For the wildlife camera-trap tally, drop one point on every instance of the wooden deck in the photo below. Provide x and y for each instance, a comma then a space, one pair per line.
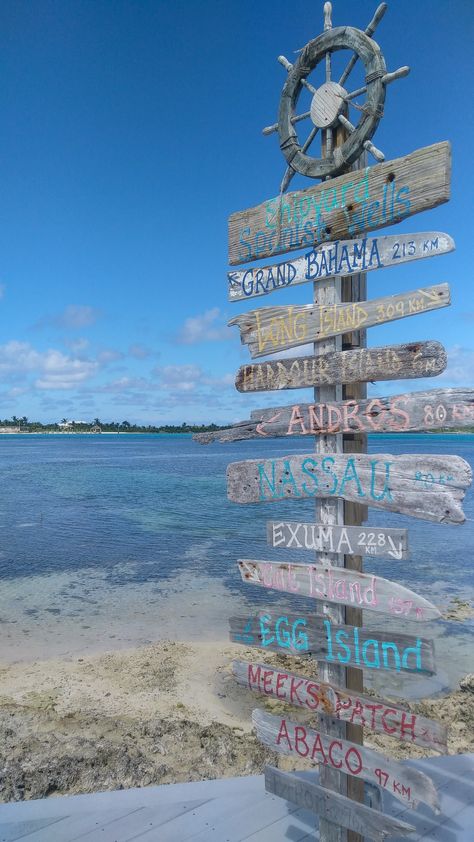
230, 810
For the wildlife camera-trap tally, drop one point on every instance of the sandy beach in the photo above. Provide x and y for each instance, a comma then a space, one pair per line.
162, 713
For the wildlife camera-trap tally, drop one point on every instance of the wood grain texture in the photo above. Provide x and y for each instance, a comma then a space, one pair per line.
350, 540
408, 785
371, 824
340, 586
340, 258
428, 487
390, 362
434, 409
271, 329
329, 642
377, 715
349, 205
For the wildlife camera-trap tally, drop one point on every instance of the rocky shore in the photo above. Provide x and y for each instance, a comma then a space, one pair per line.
160, 714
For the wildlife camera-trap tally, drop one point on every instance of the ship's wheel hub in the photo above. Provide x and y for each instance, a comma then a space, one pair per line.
327, 104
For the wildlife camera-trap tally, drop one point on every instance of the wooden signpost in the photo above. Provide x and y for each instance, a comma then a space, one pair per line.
351, 540
330, 642
341, 258
333, 807
331, 221
426, 487
391, 362
272, 329
309, 694
349, 205
403, 782
438, 409
341, 586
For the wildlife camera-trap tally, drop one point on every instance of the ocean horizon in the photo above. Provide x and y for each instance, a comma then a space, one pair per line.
114, 541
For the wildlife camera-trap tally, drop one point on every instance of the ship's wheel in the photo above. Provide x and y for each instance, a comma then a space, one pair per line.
330, 101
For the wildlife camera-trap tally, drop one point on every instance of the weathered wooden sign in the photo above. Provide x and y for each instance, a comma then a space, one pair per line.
334, 807
423, 486
436, 409
340, 585
349, 205
328, 642
343, 257
390, 362
405, 783
272, 329
350, 540
347, 705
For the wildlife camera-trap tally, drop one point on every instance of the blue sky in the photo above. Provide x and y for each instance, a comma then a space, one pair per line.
130, 132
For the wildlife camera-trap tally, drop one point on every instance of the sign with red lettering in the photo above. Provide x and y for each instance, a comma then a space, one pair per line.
403, 782
434, 409
347, 705
340, 585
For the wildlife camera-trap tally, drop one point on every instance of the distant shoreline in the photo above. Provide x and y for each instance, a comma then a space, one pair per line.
187, 433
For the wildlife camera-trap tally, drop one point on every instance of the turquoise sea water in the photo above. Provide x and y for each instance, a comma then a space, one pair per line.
115, 540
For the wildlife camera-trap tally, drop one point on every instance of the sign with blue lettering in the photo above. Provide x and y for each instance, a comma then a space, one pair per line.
340, 258
347, 206
328, 642
422, 486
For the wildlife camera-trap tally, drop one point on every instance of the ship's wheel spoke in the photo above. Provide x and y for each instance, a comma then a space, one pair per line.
289, 172
370, 29
377, 154
296, 119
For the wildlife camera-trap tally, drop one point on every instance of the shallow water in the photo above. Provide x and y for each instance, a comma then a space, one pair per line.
111, 541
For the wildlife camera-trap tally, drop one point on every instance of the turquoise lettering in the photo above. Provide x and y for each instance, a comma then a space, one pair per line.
350, 474
309, 474
267, 640
262, 476
386, 489
326, 464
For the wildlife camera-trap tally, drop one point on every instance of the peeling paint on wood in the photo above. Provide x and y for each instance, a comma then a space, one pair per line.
341, 258
334, 807
339, 585
334, 643
429, 487
349, 205
377, 715
390, 362
350, 540
435, 409
408, 785
271, 329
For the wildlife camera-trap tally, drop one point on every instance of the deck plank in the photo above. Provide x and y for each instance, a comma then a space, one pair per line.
226, 810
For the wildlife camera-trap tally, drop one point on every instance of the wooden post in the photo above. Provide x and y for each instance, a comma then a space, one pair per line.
335, 291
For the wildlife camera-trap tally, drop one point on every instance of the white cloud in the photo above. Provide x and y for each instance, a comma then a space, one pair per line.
204, 328
54, 369
460, 368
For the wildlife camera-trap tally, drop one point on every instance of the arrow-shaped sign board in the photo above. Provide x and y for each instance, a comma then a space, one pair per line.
341, 258
405, 783
347, 206
335, 808
320, 638
390, 362
339, 585
350, 540
427, 487
435, 409
272, 329
346, 705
